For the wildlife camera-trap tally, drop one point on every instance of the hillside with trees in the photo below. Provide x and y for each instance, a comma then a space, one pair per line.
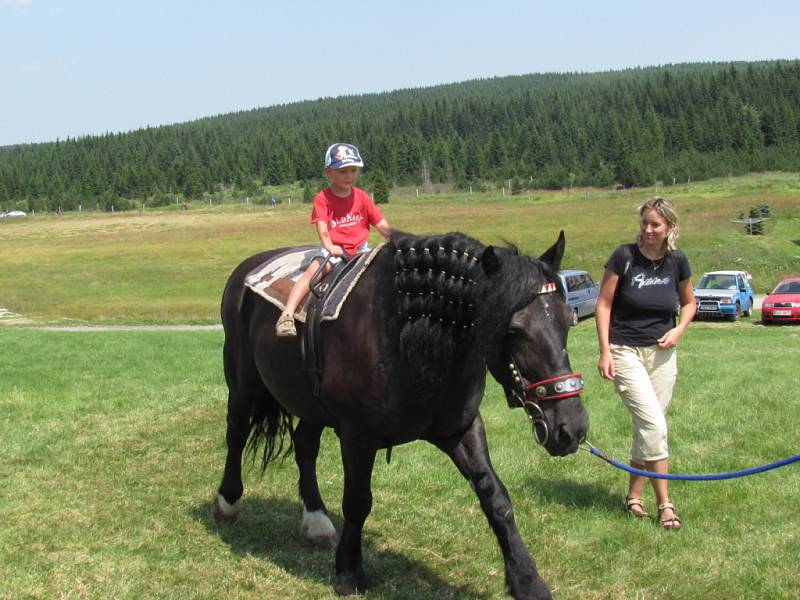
632, 127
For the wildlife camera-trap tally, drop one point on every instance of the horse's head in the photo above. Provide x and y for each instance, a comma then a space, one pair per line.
529, 358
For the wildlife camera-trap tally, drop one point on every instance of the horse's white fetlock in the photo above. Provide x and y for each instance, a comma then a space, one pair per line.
317, 528
223, 511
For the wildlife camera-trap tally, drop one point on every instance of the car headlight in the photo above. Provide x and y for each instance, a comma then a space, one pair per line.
767, 305
726, 301
795, 304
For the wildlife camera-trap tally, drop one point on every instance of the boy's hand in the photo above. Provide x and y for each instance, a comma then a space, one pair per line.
336, 251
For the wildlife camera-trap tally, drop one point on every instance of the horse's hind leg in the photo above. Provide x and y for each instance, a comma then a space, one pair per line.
245, 388
316, 526
471, 456
228, 503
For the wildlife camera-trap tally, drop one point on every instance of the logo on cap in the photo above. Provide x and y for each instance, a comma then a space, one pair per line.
343, 155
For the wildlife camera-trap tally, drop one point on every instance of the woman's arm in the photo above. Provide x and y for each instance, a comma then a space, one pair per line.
602, 319
688, 310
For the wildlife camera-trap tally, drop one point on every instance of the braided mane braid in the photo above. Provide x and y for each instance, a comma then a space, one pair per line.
437, 279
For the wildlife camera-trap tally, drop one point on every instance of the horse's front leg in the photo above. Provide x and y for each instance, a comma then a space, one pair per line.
471, 455
316, 526
358, 460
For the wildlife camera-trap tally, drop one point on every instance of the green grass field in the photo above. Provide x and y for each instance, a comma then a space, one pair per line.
113, 442
113, 445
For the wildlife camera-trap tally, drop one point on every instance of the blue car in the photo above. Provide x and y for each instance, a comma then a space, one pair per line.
582, 292
724, 294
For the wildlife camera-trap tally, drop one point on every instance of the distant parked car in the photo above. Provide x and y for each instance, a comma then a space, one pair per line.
726, 294
582, 292
783, 303
13, 213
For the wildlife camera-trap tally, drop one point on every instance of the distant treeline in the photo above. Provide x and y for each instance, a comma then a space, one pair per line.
632, 127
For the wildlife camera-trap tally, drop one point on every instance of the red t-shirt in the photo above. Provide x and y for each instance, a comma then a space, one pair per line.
348, 219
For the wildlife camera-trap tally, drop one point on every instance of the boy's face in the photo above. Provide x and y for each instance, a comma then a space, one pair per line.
342, 180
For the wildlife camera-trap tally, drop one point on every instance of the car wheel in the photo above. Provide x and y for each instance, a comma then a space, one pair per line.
738, 314
749, 311
574, 317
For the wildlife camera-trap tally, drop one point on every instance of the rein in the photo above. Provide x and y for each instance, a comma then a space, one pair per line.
709, 477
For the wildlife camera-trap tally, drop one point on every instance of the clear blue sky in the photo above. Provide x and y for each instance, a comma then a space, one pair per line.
78, 67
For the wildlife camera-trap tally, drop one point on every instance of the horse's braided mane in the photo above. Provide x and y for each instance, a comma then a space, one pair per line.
445, 301
436, 279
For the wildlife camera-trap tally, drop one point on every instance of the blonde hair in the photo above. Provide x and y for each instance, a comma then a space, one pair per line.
668, 212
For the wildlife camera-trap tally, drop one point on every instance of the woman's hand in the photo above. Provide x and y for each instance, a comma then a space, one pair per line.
606, 366
671, 338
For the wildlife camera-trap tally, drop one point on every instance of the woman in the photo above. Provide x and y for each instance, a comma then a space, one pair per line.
637, 335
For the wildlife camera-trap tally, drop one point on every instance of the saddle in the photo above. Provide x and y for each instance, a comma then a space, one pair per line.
273, 280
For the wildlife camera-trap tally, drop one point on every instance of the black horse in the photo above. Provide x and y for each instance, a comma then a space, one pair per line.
406, 360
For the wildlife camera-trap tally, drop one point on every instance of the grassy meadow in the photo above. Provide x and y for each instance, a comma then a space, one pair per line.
169, 266
113, 441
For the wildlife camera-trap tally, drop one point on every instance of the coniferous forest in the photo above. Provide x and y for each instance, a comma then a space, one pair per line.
632, 127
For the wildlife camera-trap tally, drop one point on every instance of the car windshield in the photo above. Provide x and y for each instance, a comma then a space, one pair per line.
788, 287
717, 282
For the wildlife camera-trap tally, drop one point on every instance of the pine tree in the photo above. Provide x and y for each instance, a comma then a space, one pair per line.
380, 187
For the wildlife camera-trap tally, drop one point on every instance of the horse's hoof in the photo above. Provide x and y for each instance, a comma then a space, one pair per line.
533, 590
318, 530
351, 583
224, 512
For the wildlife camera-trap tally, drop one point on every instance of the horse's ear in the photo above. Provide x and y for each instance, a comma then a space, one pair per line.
555, 253
490, 261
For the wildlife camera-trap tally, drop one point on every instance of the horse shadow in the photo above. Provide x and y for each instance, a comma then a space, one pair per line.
268, 528
572, 494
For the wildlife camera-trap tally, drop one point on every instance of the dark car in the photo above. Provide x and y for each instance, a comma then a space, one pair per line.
783, 303
582, 292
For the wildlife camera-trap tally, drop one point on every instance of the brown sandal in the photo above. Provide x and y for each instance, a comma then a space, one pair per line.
673, 522
630, 503
285, 326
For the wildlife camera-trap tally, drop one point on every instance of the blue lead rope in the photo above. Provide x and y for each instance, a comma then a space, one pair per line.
710, 477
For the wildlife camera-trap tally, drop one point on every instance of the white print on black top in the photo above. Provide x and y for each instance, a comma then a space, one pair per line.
641, 281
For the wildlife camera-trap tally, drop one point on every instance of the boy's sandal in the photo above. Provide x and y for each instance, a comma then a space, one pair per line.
285, 326
673, 522
629, 505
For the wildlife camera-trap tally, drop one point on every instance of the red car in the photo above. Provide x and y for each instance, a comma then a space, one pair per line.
783, 303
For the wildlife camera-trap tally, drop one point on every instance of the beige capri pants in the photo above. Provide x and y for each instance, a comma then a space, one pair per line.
645, 378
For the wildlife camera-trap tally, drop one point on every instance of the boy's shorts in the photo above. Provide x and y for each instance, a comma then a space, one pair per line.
323, 253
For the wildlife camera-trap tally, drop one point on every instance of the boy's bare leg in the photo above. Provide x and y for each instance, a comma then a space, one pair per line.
300, 289
285, 325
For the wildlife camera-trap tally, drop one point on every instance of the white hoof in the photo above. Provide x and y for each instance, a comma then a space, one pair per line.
224, 511
317, 529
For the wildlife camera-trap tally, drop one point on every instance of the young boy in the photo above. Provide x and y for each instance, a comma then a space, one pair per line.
342, 214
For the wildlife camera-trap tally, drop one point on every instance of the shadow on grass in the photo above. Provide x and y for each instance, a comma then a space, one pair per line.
268, 528
573, 494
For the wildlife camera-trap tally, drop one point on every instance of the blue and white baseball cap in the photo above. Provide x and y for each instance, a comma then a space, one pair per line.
341, 155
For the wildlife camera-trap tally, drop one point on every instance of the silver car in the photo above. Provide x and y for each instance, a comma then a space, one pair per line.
582, 292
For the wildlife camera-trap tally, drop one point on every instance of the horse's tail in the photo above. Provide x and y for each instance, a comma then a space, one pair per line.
270, 423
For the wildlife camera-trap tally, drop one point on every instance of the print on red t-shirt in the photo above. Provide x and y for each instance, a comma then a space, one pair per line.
348, 219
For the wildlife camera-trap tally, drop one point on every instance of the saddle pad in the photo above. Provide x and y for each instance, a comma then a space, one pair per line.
273, 279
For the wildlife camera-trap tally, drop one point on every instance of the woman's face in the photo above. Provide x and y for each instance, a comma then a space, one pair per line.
654, 229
